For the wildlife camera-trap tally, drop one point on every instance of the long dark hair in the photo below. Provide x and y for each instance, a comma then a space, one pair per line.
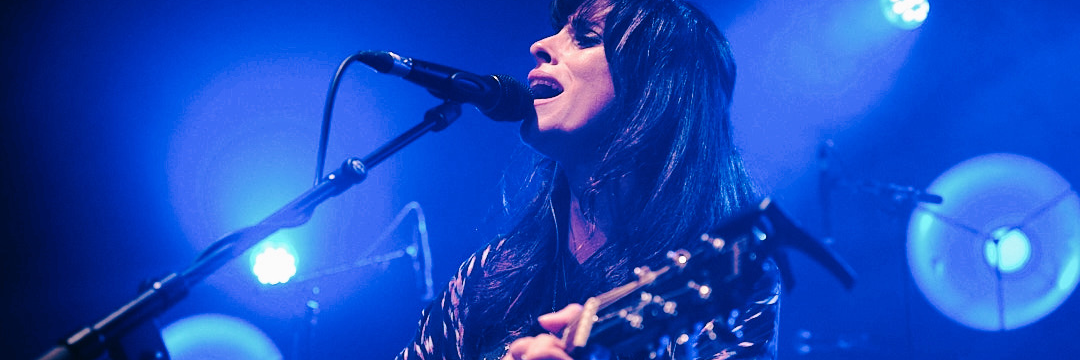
673, 74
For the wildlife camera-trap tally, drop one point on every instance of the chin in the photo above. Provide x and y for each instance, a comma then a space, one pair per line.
552, 145
531, 136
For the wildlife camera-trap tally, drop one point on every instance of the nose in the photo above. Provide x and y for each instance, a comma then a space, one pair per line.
541, 51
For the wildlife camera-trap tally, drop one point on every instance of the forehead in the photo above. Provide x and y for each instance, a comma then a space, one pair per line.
578, 13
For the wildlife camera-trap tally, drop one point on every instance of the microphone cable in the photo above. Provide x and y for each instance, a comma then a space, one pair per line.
324, 135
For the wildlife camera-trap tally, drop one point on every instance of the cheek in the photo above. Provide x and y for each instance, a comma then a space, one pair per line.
589, 114
600, 96
602, 91
597, 90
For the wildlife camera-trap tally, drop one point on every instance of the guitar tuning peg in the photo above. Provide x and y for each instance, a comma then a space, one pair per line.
703, 290
708, 330
682, 339
716, 242
634, 320
680, 257
669, 307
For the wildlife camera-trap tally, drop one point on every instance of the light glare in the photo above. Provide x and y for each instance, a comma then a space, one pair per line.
1012, 247
274, 265
906, 14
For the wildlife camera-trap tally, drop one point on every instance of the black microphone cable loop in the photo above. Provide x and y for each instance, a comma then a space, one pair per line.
324, 134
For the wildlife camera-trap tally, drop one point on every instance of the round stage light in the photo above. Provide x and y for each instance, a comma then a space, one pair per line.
216, 336
1008, 250
1003, 250
906, 14
273, 264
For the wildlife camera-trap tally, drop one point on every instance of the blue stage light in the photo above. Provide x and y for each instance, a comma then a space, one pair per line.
273, 264
906, 14
1003, 249
1008, 250
216, 336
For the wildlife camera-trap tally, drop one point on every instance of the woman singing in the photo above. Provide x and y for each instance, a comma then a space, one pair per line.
634, 158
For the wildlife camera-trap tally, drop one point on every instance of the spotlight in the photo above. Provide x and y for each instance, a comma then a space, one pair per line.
273, 264
1008, 250
906, 14
1003, 250
217, 336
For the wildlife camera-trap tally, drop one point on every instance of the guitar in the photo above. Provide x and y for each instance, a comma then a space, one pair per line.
667, 305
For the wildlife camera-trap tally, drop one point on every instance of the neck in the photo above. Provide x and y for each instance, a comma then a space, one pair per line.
584, 237
586, 234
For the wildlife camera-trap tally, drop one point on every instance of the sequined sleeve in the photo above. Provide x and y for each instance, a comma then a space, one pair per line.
440, 330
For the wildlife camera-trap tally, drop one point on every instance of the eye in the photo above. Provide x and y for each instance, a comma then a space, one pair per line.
586, 33
588, 39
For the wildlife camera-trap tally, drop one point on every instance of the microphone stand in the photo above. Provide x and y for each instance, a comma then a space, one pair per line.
111, 332
899, 198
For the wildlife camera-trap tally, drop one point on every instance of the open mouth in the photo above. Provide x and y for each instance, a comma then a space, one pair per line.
544, 88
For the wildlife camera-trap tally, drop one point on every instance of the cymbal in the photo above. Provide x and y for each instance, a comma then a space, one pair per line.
1003, 249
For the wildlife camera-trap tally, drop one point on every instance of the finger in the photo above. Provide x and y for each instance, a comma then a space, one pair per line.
546, 355
546, 347
556, 321
518, 348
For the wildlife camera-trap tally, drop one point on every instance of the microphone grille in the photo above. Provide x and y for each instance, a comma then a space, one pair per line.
515, 101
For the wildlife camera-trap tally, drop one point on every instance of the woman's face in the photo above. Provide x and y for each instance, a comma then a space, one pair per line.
572, 85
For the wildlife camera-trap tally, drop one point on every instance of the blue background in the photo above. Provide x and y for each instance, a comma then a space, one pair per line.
135, 133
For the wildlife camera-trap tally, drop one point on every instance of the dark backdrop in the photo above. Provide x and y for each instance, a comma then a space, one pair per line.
135, 133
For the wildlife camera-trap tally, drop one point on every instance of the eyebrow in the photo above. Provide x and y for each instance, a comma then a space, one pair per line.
581, 23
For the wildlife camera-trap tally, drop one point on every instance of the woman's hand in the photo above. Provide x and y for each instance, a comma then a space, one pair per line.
545, 346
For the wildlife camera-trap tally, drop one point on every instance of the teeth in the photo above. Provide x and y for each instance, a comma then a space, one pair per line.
545, 88
544, 82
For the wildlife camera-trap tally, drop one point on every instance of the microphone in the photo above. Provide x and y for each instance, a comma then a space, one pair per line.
499, 97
